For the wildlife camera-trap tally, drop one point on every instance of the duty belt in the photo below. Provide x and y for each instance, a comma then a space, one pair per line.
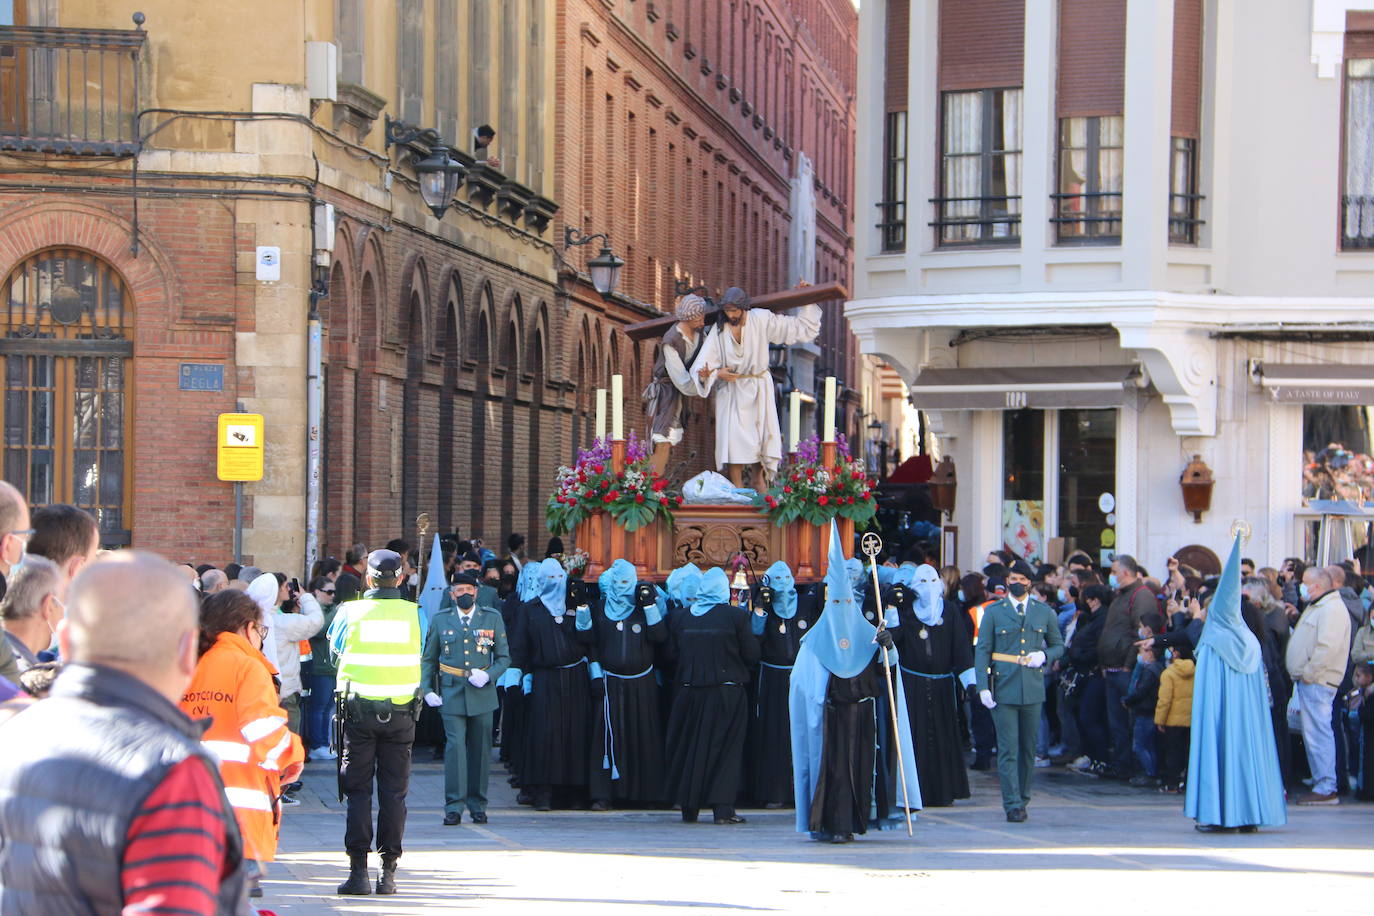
457, 672
1014, 659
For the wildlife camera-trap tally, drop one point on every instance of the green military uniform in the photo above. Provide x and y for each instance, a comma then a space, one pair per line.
1019, 691
452, 651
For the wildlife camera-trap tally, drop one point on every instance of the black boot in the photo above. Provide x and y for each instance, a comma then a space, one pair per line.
358, 883
386, 881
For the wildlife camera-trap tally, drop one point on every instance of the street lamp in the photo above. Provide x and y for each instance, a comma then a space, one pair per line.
439, 175
438, 172
605, 267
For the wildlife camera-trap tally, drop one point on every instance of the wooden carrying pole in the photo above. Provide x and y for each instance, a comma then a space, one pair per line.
876, 545
774, 302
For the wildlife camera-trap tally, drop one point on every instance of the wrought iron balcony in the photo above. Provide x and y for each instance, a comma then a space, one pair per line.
70, 91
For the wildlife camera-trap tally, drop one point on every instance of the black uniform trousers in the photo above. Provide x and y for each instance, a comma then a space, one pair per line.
377, 742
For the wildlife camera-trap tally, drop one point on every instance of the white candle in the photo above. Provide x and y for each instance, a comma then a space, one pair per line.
617, 407
794, 420
829, 408
601, 413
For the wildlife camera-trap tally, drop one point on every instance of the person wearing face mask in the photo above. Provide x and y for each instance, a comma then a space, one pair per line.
465, 654
779, 626
31, 611
1116, 651
937, 666
15, 530
1018, 636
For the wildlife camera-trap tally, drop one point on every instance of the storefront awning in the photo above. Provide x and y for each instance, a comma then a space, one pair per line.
1011, 388
1300, 383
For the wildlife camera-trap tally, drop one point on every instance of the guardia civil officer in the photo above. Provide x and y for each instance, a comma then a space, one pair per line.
465, 655
377, 641
1018, 636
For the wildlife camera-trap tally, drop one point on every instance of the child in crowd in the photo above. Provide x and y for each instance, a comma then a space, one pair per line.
1141, 699
1360, 719
1174, 717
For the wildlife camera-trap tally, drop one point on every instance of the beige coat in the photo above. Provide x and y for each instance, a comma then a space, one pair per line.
1363, 650
1318, 650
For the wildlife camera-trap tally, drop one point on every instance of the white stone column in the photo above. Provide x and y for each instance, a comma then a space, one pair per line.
870, 114
1039, 128
980, 489
1145, 199
923, 122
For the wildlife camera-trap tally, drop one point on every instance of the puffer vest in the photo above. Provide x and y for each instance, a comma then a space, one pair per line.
75, 769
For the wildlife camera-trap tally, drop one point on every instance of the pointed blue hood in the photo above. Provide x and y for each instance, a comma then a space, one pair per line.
784, 586
1225, 633
618, 589
683, 583
714, 590
436, 587
841, 640
553, 587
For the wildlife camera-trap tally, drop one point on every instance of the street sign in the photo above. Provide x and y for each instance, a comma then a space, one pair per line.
239, 447
201, 377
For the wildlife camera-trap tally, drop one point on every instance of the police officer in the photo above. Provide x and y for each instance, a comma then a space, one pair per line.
1017, 637
377, 641
465, 654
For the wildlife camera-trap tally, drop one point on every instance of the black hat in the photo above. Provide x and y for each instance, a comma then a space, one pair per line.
384, 563
465, 579
1021, 568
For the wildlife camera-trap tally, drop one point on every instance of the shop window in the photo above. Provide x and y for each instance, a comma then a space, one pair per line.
65, 348
1087, 481
1023, 483
1336, 462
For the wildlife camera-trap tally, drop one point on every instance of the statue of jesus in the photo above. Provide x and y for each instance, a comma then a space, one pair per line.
734, 363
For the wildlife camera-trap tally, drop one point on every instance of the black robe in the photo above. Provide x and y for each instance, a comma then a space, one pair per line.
508, 724
930, 677
712, 655
768, 758
554, 750
852, 764
627, 724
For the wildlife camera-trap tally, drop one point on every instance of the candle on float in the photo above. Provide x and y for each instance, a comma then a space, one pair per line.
601, 413
617, 407
829, 409
794, 420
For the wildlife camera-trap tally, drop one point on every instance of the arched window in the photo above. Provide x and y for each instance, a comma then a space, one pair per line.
65, 344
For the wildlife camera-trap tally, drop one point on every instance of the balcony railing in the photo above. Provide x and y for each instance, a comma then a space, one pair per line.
892, 222
1183, 218
1357, 221
977, 220
70, 91
1088, 217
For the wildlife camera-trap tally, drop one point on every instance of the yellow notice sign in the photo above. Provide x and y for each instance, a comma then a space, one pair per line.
239, 446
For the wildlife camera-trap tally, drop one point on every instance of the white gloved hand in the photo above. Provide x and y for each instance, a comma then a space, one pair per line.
986, 697
433, 699
478, 678
1035, 659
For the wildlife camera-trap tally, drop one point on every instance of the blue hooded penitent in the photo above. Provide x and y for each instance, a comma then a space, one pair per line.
436, 588
1233, 764
929, 595
858, 577
840, 643
886, 576
527, 585
618, 589
682, 584
714, 590
784, 590
553, 587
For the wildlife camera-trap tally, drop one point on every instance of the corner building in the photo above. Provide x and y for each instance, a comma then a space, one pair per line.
1115, 234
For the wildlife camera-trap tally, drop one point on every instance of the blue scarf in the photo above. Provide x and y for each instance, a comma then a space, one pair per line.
683, 583
618, 589
553, 587
714, 590
784, 586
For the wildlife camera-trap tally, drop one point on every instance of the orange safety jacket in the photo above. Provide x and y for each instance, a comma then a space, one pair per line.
976, 612
233, 687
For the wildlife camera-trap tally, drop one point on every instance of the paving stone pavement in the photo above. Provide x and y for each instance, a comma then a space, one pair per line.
1088, 844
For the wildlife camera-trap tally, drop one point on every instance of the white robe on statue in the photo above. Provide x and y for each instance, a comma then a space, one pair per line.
747, 429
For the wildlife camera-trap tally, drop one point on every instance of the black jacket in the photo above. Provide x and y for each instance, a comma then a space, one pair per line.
1142, 700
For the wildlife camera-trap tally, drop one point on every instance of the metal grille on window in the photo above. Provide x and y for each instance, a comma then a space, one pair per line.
1357, 203
64, 345
892, 208
1183, 195
980, 174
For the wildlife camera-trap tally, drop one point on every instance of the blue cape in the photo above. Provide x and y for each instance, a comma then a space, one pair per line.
618, 589
841, 639
784, 590
841, 622
553, 587
682, 584
1233, 764
714, 590
527, 585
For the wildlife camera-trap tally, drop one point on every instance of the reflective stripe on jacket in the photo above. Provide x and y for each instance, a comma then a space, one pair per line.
380, 659
233, 687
